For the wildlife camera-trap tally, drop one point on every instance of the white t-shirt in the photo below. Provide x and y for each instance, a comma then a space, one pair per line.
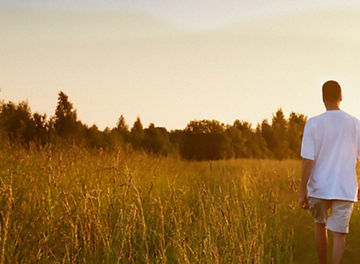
332, 141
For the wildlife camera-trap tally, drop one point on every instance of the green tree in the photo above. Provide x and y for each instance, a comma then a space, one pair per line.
247, 135
121, 124
156, 140
237, 141
94, 137
176, 138
257, 145
123, 129
205, 140
268, 135
41, 129
295, 132
279, 126
16, 122
137, 134
275, 135
65, 121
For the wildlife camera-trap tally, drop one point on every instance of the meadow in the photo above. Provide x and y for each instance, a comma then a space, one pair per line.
74, 205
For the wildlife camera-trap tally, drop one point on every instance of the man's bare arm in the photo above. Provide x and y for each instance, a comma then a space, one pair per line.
307, 166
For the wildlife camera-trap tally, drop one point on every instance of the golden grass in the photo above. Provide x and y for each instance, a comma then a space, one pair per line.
80, 206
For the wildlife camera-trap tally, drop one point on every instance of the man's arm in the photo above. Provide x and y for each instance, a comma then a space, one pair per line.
307, 166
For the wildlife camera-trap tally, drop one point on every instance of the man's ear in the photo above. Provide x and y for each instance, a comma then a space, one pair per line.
340, 99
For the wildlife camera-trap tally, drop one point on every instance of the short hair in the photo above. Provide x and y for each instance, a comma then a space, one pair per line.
331, 91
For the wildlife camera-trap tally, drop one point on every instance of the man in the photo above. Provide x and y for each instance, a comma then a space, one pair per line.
330, 147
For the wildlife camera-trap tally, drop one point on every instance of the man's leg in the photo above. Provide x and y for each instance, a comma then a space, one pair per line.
321, 242
338, 247
338, 223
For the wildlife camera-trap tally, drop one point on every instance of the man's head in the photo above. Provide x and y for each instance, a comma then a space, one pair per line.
331, 92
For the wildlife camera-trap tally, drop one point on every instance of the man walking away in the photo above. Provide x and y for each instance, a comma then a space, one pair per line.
330, 147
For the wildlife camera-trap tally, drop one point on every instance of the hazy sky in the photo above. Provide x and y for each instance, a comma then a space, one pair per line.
174, 61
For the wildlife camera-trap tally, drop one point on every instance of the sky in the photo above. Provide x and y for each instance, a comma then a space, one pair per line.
170, 62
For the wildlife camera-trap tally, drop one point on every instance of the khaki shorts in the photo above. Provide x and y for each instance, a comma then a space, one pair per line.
339, 217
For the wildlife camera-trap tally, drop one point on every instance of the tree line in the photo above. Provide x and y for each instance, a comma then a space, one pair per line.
200, 140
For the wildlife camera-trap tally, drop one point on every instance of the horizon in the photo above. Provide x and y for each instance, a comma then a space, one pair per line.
130, 125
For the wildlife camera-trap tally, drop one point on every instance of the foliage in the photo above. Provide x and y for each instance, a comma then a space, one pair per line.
18, 125
200, 140
65, 121
205, 140
137, 134
156, 140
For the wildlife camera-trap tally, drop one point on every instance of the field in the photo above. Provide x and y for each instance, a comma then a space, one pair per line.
79, 206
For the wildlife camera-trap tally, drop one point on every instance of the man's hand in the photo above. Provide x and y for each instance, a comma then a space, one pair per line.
307, 166
303, 201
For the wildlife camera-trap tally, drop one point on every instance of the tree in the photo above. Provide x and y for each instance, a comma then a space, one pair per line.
200, 140
123, 129
41, 129
137, 134
176, 138
65, 122
121, 124
295, 132
268, 135
205, 140
237, 141
258, 148
247, 134
156, 140
279, 127
94, 137
16, 122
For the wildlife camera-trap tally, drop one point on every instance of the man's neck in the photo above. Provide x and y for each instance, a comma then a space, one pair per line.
332, 106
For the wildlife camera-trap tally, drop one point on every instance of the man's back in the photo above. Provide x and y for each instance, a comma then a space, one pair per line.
328, 187
332, 141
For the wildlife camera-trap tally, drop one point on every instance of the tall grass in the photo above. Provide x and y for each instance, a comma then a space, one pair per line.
79, 206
